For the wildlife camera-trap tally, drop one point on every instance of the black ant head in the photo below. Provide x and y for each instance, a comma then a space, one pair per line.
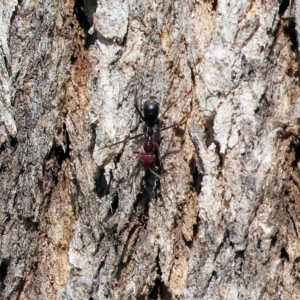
151, 111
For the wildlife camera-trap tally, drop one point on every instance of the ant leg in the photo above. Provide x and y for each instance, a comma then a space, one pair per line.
168, 108
159, 158
123, 141
154, 173
138, 146
163, 181
174, 125
141, 115
135, 103
134, 174
161, 166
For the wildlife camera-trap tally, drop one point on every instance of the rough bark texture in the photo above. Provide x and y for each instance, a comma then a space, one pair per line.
223, 221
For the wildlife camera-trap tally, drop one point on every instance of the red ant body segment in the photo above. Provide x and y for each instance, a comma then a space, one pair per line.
148, 159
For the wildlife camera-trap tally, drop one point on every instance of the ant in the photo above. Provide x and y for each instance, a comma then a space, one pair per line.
148, 158
151, 119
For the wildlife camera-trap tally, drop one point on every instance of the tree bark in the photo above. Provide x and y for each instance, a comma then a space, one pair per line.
79, 220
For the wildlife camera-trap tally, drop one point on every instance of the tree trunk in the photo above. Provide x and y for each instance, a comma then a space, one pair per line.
79, 217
